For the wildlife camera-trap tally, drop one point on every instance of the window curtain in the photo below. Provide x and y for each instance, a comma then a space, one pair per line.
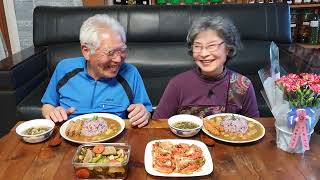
24, 10
12, 25
3, 48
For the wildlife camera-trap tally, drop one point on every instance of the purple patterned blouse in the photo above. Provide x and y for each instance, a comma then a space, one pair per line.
193, 93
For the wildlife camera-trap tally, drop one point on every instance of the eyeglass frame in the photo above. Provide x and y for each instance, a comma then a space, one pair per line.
113, 52
216, 47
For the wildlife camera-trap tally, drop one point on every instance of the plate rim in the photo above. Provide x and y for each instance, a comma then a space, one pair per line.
230, 141
65, 124
148, 154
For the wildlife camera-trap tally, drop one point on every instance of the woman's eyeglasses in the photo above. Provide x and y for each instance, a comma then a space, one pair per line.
210, 48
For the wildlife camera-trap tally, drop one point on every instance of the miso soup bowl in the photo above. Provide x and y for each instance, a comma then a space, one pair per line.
35, 123
185, 118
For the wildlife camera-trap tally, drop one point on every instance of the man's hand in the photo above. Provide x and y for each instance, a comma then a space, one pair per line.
56, 114
138, 115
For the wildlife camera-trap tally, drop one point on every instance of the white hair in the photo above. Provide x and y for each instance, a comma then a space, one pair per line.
90, 29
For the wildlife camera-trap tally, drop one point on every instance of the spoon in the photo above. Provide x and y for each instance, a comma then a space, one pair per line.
56, 137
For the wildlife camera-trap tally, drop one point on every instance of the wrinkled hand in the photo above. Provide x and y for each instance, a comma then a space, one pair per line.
59, 114
138, 115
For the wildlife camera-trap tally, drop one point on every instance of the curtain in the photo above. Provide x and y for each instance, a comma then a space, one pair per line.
24, 10
3, 48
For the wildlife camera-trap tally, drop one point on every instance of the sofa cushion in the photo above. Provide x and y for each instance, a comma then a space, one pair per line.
57, 52
253, 56
157, 64
30, 106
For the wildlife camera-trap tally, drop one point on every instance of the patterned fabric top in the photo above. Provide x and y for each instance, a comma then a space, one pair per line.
203, 96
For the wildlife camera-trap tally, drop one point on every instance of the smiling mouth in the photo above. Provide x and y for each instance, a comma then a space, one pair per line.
206, 62
113, 68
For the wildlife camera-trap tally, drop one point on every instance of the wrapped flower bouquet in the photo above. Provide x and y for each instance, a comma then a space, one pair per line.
294, 100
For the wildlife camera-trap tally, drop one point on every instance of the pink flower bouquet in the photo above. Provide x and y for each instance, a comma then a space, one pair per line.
294, 101
303, 94
302, 91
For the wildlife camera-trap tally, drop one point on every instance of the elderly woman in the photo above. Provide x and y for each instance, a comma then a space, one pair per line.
210, 88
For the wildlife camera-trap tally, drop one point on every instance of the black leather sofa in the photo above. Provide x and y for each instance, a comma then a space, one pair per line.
157, 46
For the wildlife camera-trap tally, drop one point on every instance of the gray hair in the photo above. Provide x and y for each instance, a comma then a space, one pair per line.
90, 29
225, 29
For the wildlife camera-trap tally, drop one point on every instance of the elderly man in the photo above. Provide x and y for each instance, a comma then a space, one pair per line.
100, 81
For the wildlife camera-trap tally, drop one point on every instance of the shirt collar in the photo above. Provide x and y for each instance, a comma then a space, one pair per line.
85, 63
210, 78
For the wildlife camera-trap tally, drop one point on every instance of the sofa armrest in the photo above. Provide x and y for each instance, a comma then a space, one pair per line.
17, 58
19, 75
23, 71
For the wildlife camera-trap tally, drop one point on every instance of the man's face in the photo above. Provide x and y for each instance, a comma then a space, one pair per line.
108, 57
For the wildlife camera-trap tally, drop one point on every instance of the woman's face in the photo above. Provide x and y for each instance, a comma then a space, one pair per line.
209, 53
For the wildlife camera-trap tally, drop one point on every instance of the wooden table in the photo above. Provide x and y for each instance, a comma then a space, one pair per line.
260, 160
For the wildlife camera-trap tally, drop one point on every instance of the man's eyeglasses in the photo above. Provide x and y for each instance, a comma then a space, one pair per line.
210, 48
113, 52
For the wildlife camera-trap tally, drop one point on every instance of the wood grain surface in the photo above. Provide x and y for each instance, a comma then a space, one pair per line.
258, 160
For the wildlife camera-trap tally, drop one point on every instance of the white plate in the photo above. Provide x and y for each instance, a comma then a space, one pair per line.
236, 141
105, 115
206, 169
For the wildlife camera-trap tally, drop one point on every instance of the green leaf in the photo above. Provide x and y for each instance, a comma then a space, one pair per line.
309, 101
302, 103
308, 92
299, 91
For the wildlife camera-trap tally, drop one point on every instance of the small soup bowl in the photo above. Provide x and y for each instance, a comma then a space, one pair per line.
36, 123
182, 132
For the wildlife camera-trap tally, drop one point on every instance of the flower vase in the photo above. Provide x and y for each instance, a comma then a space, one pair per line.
290, 136
284, 138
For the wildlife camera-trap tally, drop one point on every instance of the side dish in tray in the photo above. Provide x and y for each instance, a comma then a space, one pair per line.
179, 158
101, 161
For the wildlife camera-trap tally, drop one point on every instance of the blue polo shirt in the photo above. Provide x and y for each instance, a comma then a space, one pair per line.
88, 95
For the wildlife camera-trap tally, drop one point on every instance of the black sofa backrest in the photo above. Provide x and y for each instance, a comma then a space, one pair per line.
157, 47
162, 24
156, 37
